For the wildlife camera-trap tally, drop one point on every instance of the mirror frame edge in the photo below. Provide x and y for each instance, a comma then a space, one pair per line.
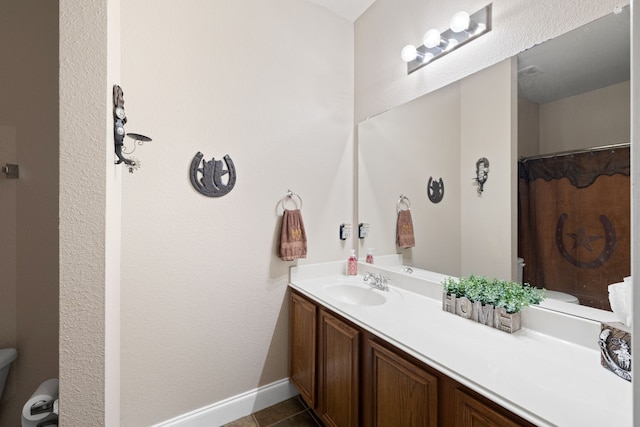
635, 196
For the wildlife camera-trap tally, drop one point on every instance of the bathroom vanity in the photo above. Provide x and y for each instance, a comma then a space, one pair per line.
348, 374
365, 357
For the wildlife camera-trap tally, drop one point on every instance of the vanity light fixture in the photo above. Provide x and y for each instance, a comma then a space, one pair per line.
463, 28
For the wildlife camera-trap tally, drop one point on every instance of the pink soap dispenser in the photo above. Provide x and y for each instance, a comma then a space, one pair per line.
352, 264
369, 258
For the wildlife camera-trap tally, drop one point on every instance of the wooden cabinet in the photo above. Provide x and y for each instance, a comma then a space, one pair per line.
338, 385
351, 377
399, 392
473, 412
324, 362
302, 347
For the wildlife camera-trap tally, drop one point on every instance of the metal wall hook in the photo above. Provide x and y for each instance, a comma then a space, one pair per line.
403, 200
291, 195
12, 171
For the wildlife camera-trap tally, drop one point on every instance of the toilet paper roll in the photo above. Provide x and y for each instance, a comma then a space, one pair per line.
45, 392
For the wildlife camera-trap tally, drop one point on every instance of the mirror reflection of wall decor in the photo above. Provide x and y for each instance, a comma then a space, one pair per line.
566, 101
208, 178
482, 173
435, 190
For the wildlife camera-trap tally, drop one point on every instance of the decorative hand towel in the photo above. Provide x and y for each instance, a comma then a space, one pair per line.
404, 232
293, 239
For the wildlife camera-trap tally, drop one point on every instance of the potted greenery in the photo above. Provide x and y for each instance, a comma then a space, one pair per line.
494, 302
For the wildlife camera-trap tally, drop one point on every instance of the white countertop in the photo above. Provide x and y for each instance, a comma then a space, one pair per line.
544, 379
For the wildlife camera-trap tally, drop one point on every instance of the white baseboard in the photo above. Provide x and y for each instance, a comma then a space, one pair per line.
235, 407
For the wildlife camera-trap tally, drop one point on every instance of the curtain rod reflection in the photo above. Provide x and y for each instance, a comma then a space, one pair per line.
612, 147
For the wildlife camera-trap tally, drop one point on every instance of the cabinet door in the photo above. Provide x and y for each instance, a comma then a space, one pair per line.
302, 347
471, 412
402, 393
339, 365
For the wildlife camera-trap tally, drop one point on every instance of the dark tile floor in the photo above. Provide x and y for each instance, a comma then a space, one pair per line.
290, 413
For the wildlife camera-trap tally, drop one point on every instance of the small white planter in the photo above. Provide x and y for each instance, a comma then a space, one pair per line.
486, 314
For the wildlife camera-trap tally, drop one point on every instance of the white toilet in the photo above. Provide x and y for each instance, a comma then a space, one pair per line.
560, 296
7, 355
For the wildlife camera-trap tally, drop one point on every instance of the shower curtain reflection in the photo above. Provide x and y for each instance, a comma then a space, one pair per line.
574, 222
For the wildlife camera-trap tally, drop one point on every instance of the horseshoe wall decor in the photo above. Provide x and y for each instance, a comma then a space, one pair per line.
610, 242
207, 179
435, 190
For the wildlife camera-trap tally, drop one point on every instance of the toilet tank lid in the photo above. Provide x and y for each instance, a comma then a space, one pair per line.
7, 355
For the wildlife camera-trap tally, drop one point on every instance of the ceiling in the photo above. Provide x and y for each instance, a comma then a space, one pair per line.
348, 9
593, 56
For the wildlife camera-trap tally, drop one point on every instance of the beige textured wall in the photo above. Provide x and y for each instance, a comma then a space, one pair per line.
204, 313
592, 119
528, 128
89, 215
29, 218
599, 117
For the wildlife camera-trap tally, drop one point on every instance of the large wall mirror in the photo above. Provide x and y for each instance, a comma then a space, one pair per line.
554, 125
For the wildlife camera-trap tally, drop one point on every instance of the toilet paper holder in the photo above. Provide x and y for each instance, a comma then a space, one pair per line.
43, 406
51, 420
46, 407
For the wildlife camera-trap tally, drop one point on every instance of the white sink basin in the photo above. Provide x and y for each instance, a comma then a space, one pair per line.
356, 295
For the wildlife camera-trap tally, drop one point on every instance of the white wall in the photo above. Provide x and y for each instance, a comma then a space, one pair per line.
29, 205
388, 25
204, 313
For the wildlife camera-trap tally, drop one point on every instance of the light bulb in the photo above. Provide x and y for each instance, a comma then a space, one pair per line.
428, 57
432, 38
409, 53
460, 21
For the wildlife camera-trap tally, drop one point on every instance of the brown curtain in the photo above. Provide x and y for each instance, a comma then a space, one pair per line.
574, 223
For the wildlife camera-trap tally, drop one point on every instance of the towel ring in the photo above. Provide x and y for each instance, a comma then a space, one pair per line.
291, 196
403, 200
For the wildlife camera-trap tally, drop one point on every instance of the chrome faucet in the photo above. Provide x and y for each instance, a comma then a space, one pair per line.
379, 281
